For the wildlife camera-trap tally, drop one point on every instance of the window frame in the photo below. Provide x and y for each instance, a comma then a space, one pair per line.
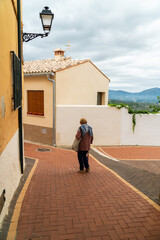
100, 98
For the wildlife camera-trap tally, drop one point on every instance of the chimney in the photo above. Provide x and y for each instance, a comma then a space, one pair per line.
58, 53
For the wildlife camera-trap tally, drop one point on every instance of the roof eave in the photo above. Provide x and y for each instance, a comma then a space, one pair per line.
100, 71
38, 74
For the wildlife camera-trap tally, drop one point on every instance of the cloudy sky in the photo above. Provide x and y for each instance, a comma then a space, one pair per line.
121, 37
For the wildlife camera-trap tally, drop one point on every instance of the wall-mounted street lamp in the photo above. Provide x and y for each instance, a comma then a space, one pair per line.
46, 17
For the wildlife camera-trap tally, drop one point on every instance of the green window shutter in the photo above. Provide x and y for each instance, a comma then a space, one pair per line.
17, 84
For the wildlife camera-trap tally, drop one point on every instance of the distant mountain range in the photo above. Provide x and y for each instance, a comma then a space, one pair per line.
149, 95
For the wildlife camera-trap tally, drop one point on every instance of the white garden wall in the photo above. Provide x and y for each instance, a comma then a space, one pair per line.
111, 126
147, 129
105, 121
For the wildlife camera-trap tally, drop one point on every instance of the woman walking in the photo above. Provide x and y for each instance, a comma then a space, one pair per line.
84, 133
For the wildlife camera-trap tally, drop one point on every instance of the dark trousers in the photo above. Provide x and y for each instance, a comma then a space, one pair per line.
83, 159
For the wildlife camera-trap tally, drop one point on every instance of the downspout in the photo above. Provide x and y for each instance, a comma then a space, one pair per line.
54, 109
20, 108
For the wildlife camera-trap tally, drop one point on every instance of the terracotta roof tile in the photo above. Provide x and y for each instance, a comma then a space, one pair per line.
50, 65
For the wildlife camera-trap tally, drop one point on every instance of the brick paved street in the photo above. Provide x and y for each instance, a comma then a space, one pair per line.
132, 152
63, 204
142, 174
145, 158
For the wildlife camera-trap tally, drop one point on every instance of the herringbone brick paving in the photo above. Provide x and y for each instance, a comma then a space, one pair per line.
133, 152
63, 204
142, 174
135, 156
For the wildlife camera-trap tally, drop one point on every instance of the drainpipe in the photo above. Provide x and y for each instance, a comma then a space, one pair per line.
20, 108
54, 110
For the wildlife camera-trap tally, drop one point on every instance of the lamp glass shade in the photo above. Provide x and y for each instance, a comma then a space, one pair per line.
46, 22
46, 17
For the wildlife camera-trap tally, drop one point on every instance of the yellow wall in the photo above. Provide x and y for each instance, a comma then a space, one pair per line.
79, 85
8, 42
10, 172
39, 83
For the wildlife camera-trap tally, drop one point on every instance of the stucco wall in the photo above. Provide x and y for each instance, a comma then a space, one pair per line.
111, 126
9, 139
9, 172
39, 83
147, 129
79, 85
9, 42
106, 123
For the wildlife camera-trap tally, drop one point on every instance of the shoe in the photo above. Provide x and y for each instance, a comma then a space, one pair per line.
88, 169
81, 171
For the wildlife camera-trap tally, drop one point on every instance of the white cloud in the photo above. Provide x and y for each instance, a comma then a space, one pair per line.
121, 37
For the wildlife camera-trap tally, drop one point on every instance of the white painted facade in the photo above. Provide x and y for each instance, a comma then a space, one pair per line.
111, 126
10, 171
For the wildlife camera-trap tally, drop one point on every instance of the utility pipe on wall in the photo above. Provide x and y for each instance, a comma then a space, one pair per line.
54, 110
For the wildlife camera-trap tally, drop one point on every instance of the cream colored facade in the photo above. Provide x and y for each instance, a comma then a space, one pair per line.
76, 83
39, 128
10, 171
79, 85
39, 82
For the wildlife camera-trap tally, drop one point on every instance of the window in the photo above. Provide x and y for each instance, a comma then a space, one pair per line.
35, 102
100, 98
17, 87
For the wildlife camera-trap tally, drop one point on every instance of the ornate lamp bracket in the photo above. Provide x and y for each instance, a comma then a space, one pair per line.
29, 36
